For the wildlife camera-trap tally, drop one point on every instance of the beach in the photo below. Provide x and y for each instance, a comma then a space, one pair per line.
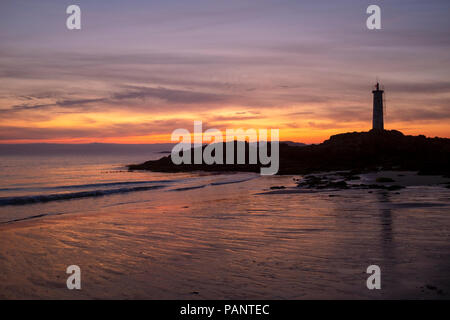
225, 150
228, 236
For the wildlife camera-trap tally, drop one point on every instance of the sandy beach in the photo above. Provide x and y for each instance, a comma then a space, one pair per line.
225, 150
233, 242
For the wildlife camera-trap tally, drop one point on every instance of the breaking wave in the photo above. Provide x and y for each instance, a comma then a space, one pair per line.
22, 200
92, 185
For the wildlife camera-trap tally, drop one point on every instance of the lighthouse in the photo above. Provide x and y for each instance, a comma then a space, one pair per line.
377, 120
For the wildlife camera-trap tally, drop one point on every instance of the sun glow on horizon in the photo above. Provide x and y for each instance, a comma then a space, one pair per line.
244, 72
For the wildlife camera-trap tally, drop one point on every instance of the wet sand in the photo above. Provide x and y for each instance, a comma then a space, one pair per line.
230, 242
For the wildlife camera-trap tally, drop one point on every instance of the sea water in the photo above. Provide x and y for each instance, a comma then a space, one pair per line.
210, 235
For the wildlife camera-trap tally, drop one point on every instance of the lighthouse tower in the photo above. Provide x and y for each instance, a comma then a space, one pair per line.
377, 121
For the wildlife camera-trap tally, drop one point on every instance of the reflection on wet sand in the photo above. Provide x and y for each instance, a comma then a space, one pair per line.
232, 242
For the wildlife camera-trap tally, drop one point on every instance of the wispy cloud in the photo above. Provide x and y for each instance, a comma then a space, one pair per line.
297, 65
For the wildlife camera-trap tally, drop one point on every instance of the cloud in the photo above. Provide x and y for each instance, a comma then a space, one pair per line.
172, 96
271, 62
420, 87
120, 130
325, 125
346, 114
233, 118
420, 114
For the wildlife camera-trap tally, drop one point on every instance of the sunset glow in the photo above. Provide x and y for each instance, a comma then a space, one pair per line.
239, 65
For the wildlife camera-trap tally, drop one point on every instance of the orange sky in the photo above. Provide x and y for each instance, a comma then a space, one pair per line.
300, 68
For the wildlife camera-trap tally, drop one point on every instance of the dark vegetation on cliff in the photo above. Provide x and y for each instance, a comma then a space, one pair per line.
357, 151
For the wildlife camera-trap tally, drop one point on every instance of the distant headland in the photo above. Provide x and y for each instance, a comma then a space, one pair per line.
359, 151
377, 149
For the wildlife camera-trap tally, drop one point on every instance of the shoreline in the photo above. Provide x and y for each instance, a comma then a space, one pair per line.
332, 181
374, 180
138, 251
359, 151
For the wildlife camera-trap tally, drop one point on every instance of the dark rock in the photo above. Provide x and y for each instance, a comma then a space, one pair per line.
337, 185
358, 151
394, 187
384, 179
378, 186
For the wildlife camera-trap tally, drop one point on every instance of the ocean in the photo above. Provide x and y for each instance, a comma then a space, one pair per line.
208, 235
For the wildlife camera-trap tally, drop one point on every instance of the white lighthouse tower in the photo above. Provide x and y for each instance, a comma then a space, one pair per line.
377, 120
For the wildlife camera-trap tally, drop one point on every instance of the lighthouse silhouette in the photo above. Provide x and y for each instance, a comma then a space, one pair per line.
377, 120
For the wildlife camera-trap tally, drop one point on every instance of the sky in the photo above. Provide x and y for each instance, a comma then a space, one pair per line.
137, 70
